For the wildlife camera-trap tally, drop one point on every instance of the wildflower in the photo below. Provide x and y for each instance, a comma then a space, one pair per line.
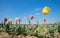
31, 17
5, 19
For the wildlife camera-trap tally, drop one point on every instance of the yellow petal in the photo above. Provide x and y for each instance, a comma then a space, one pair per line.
46, 10
10, 20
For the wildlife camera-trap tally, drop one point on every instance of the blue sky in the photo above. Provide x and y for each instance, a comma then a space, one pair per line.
26, 8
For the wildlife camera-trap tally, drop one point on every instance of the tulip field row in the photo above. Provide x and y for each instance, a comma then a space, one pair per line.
38, 30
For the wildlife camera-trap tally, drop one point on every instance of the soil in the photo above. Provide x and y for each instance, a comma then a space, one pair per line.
6, 35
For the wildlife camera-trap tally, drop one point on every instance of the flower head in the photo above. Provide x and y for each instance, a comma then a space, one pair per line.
45, 10
31, 17
17, 19
44, 20
10, 20
5, 19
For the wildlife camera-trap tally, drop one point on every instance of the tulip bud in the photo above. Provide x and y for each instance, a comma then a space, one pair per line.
5, 19
44, 20
31, 17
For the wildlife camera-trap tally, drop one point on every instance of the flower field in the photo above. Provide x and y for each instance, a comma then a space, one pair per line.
18, 30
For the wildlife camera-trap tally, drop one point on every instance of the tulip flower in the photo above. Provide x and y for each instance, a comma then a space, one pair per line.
5, 19
46, 10
31, 17
44, 20
17, 19
10, 20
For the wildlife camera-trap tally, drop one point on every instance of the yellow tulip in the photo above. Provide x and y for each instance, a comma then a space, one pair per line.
10, 20
46, 10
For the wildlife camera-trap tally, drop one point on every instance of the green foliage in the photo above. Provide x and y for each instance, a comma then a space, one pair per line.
37, 30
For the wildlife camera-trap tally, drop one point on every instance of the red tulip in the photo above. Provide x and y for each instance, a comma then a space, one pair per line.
5, 19
44, 20
31, 17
